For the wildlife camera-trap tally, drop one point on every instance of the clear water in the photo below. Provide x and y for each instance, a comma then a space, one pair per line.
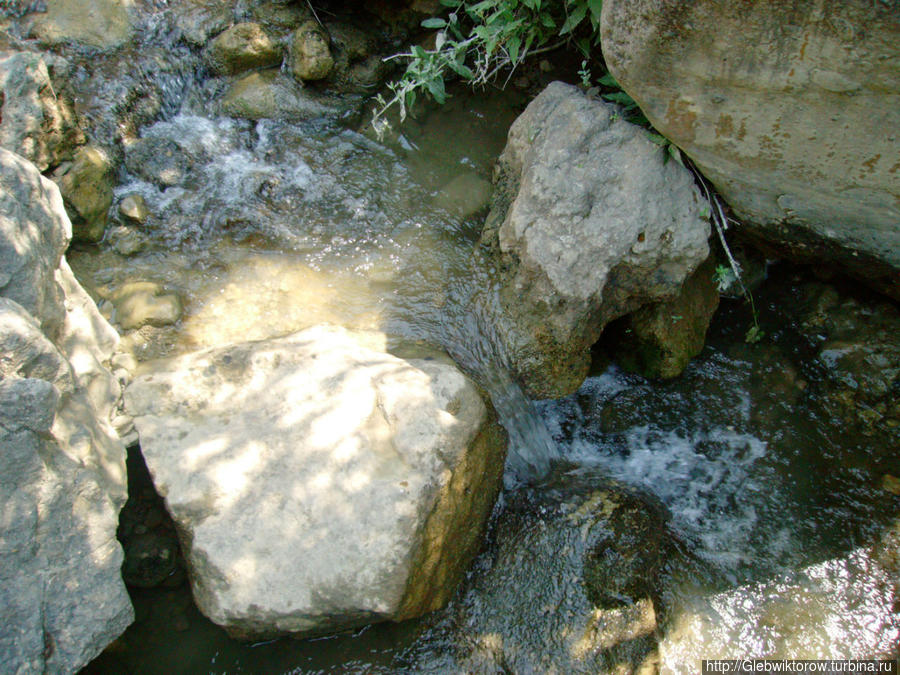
275, 227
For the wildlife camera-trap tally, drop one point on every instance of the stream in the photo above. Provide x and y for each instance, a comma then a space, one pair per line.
780, 539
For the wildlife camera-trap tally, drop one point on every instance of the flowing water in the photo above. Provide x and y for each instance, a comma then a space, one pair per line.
778, 521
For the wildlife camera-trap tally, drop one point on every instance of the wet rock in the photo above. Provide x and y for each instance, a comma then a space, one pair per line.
588, 223
144, 303
126, 241
35, 122
891, 484
199, 20
269, 94
150, 559
86, 186
62, 463
311, 53
280, 15
102, 24
830, 194
317, 482
242, 47
566, 584
134, 208
157, 160
465, 195
659, 340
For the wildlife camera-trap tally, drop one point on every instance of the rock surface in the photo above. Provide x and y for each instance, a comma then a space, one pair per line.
269, 94
144, 303
62, 462
659, 340
318, 483
791, 109
35, 122
556, 550
242, 47
310, 53
590, 224
102, 24
86, 187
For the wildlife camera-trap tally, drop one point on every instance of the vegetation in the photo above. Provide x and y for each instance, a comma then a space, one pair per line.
477, 41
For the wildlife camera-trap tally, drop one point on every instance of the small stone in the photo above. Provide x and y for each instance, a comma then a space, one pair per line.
310, 53
144, 303
134, 208
891, 484
126, 241
242, 47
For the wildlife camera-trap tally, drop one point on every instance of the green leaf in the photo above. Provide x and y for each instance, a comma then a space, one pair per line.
609, 81
435, 22
659, 139
419, 53
512, 46
596, 6
436, 89
548, 21
576, 17
451, 3
621, 98
461, 69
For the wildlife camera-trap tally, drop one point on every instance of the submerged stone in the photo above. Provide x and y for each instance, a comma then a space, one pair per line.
144, 303
269, 94
317, 482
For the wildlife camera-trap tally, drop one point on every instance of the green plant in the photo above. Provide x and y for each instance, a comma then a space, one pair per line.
478, 40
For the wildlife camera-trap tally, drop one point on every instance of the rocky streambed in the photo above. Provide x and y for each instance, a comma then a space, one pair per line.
371, 426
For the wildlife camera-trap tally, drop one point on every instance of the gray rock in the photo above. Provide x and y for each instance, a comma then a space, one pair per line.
567, 584
133, 208
86, 187
35, 123
589, 223
242, 47
126, 241
199, 20
659, 340
144, 303
317, 482
311, 52
158, 160
822, 184
102, 24
34, 233
269, 94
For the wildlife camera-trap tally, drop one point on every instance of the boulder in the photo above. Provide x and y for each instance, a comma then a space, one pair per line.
101, 24
317, 482
34, 233
589, 223
790, 109
567, 584
62, 462
659, 340
35, 121
86, 186
269, 94
242, 47
311, 52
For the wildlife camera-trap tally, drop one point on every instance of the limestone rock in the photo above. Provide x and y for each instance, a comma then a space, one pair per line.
63, 466
269, 94
317, 482
134, 208
34, 233
311, 53
35, 121
102, 24
589, 223
242, 47
157, 160
791, 109
659, 340
144, 303
86, 186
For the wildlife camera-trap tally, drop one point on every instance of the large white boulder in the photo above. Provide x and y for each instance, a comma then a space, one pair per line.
590, 223
63, 465
318, 482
